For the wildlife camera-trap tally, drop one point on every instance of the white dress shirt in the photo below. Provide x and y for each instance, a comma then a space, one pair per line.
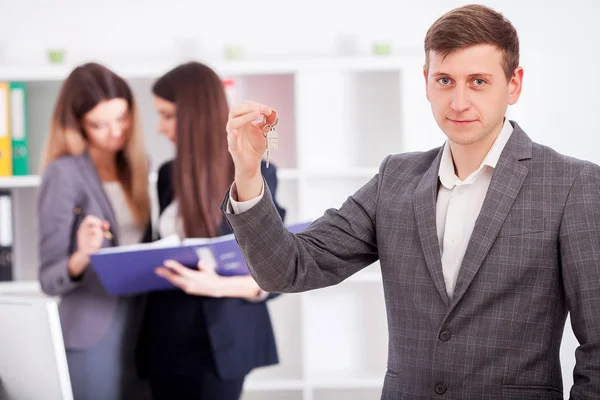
457, 208
459, 203
238, 207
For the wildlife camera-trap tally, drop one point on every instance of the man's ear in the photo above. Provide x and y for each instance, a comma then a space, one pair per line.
426, 86
515, 85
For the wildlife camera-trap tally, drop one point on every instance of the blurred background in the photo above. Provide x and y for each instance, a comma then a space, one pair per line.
558, 39
346, 78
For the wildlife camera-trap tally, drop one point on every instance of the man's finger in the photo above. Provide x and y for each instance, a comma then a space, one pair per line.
242, 120
248, 107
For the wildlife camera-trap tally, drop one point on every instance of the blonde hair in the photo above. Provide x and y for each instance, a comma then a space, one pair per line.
84, 88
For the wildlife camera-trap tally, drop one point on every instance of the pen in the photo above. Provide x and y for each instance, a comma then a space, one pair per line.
107, 234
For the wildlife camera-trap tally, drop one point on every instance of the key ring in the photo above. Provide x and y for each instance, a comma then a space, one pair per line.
269, 127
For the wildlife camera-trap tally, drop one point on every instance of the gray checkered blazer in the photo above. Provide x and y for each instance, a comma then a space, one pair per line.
534, 255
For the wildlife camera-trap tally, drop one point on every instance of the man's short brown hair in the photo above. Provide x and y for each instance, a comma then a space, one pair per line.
472, 25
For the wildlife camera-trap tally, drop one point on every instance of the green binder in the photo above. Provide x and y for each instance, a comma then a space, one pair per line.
19, 128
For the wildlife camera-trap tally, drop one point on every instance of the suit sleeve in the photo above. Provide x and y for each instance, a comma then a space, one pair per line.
57, 223
332, 248
580, 259
270, 177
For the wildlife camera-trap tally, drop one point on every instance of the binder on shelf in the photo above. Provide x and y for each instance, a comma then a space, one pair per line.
19, 128
5, 136
230, 92
128, 270
6, 236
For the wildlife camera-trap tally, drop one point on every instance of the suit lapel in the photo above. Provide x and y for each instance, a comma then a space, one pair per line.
91, 178
425, 214
505, 185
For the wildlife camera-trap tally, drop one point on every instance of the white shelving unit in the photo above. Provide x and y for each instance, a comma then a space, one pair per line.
339, 117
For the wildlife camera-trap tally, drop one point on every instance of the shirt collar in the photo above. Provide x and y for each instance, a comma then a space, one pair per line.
446, 172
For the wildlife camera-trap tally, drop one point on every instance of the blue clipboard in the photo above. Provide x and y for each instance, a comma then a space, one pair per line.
129, 270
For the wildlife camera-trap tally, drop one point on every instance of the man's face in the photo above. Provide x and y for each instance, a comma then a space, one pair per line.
469, 92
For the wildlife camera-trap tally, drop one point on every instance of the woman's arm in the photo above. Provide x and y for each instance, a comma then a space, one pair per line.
65, 243
206, 282
57, 219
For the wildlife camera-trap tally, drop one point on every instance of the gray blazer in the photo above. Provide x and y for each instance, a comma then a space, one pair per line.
533, 256
70, 190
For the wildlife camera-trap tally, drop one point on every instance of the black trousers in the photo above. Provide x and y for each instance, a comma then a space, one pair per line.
205, 386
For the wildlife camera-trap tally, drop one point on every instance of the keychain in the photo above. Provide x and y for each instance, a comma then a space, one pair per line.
271, 137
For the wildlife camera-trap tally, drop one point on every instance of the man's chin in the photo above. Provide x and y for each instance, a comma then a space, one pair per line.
462, 137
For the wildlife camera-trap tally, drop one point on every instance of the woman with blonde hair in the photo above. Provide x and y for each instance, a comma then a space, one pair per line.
94, 194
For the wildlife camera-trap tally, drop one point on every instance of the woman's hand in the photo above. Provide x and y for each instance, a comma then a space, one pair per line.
90, 236
201, 282
206, 282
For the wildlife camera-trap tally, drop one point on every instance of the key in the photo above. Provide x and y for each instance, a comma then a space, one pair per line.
268, 149
272, 142
271, 138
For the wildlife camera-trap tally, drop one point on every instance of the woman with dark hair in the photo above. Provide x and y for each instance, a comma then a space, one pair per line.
94, 194
200, 342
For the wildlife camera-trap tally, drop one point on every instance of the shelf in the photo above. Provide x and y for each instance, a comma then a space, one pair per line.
252, 385
370, 274
363, 122
297, 394
321, 193
348, 394
25, 288
347, 381
339, 118
341, 172
20, 287
13, 182
29, 181
284, 174
348, 334
226, 68
284, 311
288, 173
366, 277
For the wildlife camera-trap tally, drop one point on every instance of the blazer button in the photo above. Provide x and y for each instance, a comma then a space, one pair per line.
445, 336
77, 211
440, 388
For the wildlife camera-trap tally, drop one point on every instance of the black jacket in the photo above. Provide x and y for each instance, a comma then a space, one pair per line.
180, 332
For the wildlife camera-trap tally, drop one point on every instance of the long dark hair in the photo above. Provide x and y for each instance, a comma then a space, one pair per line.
203, 168
85, 87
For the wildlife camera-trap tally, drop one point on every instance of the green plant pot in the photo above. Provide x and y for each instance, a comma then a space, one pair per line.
382, 48
234, 52
56, 56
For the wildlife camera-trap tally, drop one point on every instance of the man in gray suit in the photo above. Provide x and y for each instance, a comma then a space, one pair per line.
485, 243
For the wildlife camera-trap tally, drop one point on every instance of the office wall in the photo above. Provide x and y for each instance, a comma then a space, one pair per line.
558, 41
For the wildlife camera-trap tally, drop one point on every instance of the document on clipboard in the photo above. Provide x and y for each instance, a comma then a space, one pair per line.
128, 270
